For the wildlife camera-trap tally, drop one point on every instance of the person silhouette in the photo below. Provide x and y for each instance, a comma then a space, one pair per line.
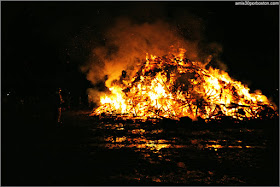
59, 102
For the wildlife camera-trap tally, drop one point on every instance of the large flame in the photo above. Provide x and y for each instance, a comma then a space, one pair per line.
172, 86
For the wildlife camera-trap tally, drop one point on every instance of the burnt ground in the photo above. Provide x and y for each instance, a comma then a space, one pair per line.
86, 151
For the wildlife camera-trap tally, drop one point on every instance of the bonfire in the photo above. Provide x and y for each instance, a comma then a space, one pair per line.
173, 86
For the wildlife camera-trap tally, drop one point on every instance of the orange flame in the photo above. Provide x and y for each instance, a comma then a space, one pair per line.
174, 87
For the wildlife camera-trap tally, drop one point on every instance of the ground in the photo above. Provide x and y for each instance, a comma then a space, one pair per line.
84, 150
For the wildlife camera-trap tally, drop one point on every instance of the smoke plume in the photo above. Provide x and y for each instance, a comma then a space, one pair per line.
126, 44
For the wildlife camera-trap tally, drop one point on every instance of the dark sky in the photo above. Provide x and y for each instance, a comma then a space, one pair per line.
44, 43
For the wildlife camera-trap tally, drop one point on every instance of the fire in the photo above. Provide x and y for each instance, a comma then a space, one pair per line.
172, 86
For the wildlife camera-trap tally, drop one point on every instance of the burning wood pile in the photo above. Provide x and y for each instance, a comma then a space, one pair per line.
173, 87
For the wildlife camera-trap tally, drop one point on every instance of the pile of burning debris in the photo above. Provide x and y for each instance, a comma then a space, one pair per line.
173, 87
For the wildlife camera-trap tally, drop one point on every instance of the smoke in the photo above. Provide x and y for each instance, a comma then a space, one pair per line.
126, 44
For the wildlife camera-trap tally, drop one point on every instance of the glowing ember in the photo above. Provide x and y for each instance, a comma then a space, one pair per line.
172, 86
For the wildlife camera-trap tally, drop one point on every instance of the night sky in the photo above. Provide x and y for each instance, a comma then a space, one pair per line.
45, 43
